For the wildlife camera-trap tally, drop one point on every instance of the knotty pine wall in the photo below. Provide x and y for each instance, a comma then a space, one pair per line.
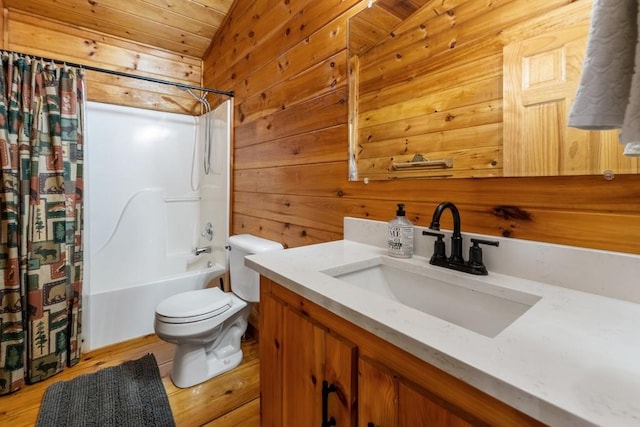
38, 36
286, 61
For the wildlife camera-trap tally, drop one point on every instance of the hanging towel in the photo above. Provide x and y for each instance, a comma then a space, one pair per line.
609, 93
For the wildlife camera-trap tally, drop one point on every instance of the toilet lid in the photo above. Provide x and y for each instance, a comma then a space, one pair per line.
194, 305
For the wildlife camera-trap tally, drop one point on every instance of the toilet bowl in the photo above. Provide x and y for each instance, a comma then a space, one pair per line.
207, 324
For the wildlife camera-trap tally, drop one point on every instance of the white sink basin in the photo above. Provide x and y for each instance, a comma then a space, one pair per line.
458, 298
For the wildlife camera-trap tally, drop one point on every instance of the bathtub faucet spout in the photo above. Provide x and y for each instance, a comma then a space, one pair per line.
202, 250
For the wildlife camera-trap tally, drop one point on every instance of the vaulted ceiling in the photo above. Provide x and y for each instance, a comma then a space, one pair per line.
182, 26
185, 27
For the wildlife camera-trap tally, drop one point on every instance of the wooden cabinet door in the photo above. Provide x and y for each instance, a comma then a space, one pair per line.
386, 400
297, 357
311, 356
377, 396
302, 371
341, 371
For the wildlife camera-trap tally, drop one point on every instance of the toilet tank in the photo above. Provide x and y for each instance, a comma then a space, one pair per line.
245, 282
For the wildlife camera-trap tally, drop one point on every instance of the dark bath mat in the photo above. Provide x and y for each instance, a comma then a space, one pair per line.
130, 394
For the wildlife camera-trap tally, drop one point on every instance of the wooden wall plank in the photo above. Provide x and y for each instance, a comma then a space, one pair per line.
552, 209
321, 180
581, 228
324, 145
313, 49
575, 13
290, 235
479, 67
249, 23
312, 82
293, 209
620, 196
273, 34
328, 110
132, 96
486, 135
443, 119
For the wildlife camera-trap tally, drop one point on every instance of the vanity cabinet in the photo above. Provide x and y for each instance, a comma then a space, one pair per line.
313, 361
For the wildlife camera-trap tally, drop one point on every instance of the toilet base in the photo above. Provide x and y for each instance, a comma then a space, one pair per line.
196, 361
191, 365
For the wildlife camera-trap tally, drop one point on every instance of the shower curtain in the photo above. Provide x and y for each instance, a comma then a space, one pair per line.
41, 112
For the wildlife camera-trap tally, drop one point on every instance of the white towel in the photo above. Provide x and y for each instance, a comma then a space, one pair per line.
609, 93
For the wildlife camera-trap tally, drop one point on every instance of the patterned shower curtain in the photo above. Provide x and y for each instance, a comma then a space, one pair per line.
41, 219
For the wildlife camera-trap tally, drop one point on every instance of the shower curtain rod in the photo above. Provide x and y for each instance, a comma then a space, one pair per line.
123, 74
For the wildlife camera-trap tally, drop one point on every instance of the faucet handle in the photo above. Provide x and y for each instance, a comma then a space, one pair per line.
438, 245
431, 233
476, 242
475, 255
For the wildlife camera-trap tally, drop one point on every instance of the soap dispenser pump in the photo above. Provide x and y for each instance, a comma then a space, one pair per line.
400, 235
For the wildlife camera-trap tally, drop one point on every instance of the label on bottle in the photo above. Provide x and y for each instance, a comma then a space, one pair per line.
400, 241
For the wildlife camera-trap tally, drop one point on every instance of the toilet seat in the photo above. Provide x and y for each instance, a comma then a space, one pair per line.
193, 306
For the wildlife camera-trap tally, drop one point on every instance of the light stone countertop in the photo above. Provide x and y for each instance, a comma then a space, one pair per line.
571, 359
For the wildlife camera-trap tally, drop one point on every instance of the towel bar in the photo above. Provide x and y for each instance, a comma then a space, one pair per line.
425, 164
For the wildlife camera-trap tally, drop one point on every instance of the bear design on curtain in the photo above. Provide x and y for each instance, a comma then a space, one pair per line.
41, 219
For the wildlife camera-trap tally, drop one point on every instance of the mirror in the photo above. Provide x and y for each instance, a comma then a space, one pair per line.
482, 90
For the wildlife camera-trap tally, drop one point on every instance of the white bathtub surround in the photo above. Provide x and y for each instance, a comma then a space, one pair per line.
571, 359
148, 203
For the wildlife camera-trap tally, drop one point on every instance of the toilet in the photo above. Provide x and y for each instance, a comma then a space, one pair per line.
207, 324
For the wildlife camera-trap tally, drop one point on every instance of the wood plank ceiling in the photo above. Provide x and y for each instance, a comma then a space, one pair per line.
185, 27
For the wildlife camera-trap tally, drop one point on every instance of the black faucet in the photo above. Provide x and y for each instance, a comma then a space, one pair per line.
456, 237
456, 260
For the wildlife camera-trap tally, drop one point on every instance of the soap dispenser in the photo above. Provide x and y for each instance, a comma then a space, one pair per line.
400, 235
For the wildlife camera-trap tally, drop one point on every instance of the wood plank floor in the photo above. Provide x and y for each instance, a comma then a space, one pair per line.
231, 399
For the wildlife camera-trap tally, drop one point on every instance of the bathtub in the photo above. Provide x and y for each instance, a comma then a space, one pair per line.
122, 314
141, 254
